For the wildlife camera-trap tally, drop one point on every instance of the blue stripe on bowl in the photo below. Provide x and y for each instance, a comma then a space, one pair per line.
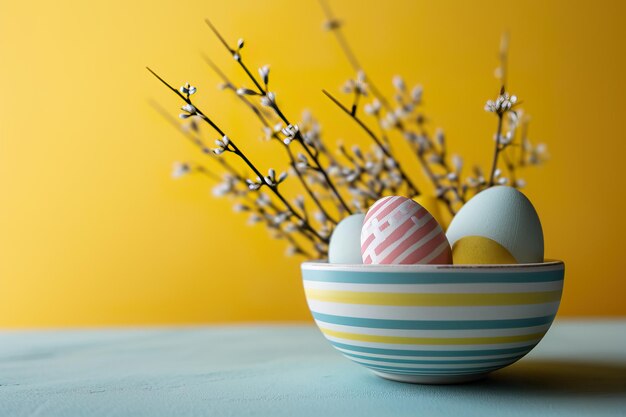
458, 277
399, 370
433, 362
434, 373
435, 353
433, 324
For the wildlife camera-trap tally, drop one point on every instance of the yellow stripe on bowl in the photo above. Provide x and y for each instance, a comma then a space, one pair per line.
516, 331
432, 299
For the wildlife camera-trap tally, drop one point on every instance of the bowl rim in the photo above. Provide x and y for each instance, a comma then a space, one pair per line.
324, 265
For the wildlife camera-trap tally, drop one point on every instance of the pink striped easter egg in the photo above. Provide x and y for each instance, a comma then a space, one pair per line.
397, 230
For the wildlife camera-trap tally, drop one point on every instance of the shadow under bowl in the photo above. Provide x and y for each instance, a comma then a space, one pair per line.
433, 324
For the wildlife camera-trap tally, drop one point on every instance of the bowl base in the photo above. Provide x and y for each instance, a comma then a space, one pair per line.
431, 379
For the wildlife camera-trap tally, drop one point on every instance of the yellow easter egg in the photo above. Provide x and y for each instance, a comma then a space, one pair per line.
480, 250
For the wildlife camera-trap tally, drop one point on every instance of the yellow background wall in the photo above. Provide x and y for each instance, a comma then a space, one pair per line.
93, 231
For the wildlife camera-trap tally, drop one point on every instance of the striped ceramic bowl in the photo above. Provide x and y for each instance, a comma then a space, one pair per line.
433, 323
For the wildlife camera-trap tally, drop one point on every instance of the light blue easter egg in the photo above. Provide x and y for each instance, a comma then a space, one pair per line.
504, 215
345, 242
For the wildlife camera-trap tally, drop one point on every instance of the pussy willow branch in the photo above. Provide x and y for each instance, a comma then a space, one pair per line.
244, 158
321, 149
231, 86
510, 166
372, 195
440, 160
209, 174
523, 142
412, 189
498, 148
334, 26
458, 188
263, 214
516, 160
229, 168
298, 136
440, 153
197, 142
361, 170
508, 161
304, 232
503, 58
382, 132
281, 233
375, 186
275, 135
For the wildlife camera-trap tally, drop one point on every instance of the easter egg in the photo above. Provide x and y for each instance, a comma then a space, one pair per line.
480, 250
397, 230
345, 242
503, 215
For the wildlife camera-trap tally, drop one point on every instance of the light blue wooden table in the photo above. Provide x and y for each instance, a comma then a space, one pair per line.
578, 370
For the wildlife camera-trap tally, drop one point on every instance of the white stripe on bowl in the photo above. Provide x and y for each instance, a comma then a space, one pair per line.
431, 358
436, 366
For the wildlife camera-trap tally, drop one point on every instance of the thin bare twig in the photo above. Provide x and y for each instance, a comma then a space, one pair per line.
274, 106
244, 158
413, 190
